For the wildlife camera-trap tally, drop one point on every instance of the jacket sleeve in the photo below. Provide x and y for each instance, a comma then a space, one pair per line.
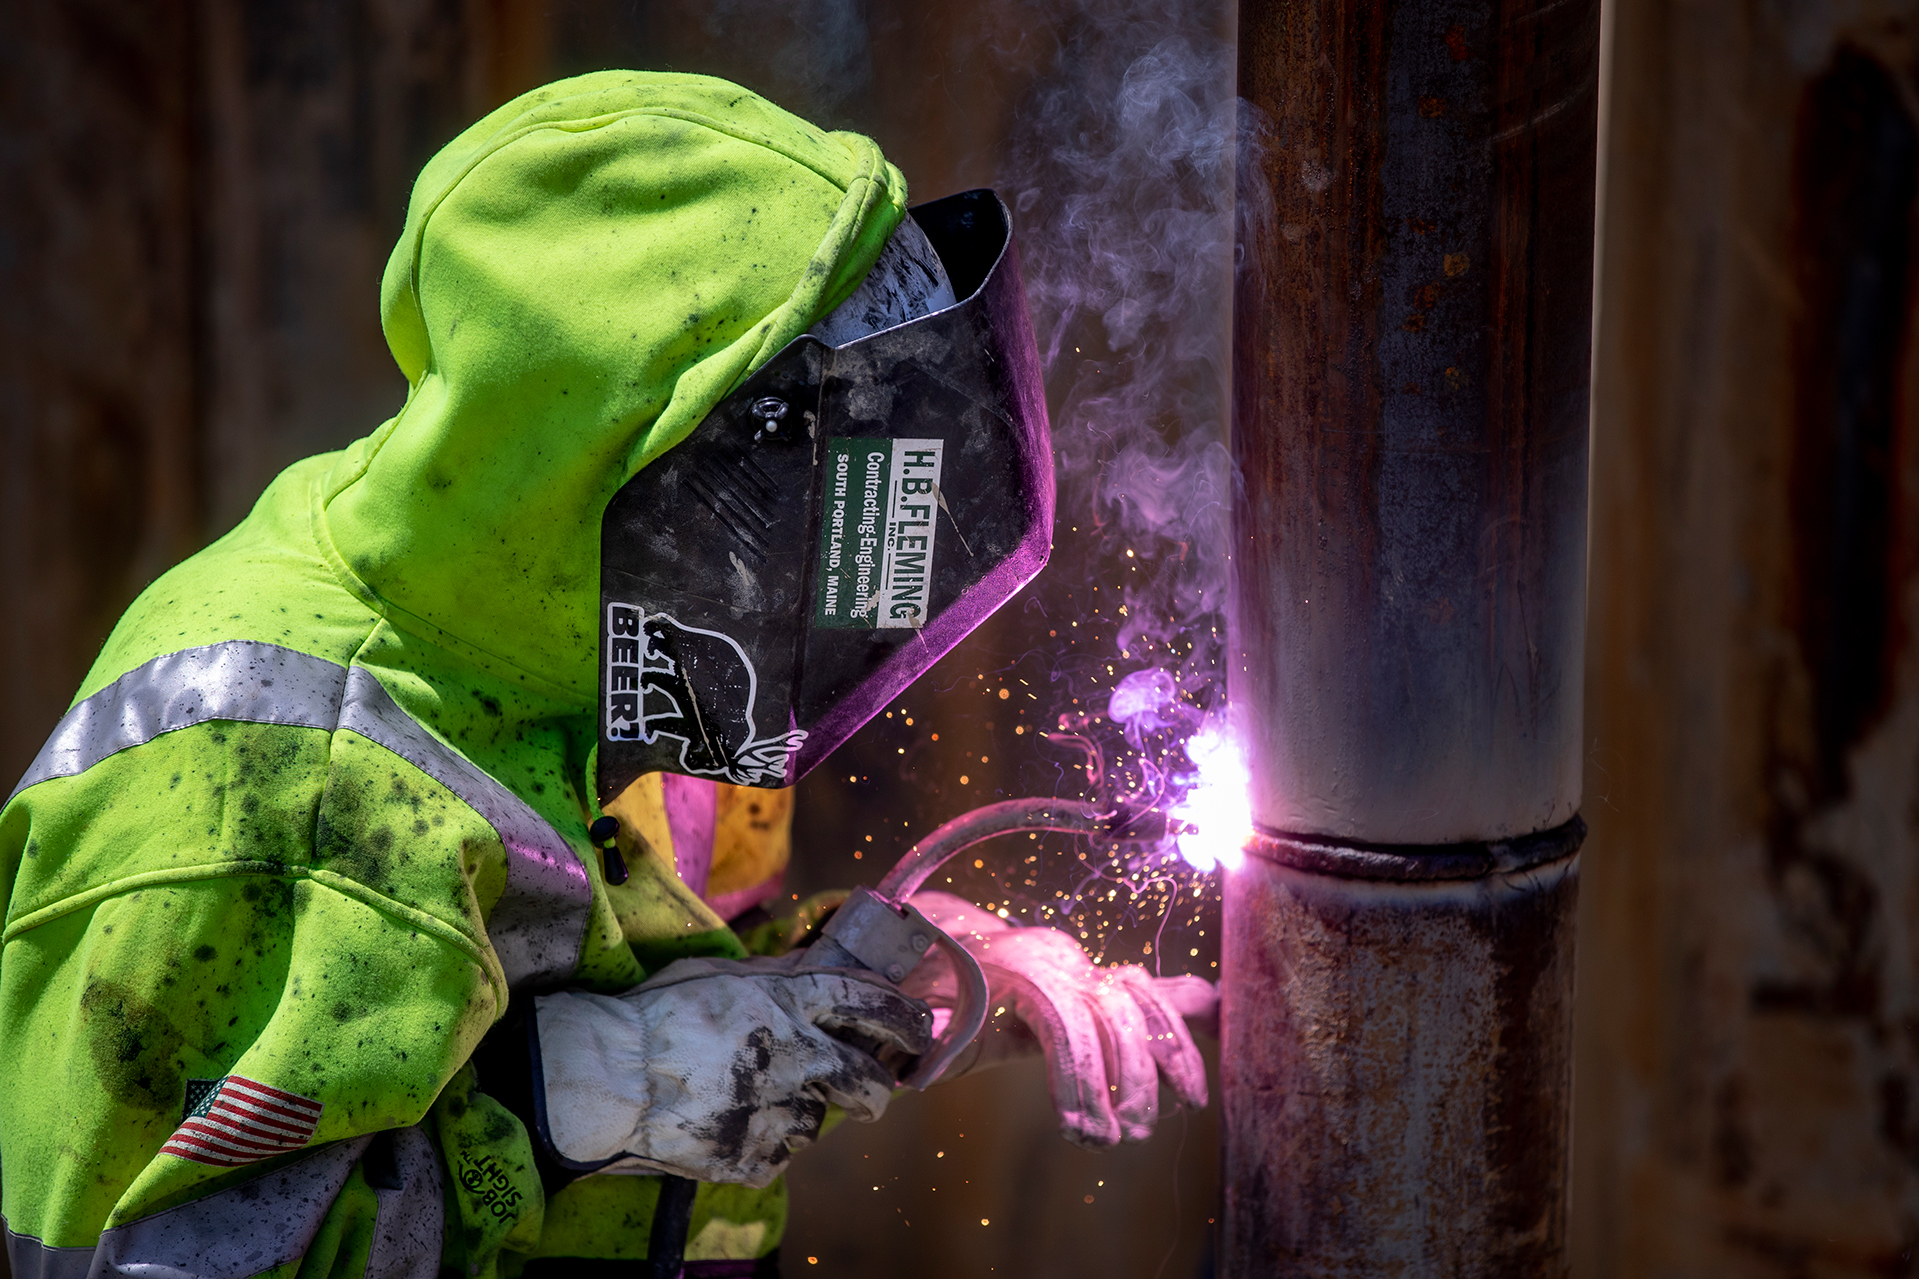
151, 1107
245, 963
241, 962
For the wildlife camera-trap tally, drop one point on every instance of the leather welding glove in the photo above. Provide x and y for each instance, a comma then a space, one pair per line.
718, 1069
1109, 1034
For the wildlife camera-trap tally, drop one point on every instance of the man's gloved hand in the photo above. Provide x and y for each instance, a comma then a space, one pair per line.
1109, 1034
718, 1069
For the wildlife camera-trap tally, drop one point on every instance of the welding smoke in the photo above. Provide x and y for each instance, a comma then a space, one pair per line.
1121, 174
1123, 181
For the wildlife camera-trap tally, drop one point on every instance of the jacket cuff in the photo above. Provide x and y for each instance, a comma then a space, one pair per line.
507, 1061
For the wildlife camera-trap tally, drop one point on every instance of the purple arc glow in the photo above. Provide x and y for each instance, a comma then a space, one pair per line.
1217, 805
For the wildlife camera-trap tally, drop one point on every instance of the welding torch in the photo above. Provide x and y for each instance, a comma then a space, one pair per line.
879, 929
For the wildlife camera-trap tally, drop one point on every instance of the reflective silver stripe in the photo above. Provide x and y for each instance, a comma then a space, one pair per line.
266, 1222
409, 1233
32, 1259
238, 679
237, 1233
539, 923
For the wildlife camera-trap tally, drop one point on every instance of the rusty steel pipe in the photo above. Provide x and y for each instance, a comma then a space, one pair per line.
1411, 364
1396, 1060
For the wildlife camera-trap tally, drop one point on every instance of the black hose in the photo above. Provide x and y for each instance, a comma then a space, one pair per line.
672, 1217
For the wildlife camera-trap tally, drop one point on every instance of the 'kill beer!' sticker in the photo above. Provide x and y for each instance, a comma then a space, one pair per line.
876, 534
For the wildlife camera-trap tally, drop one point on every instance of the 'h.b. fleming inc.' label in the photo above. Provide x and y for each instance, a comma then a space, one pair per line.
876, 532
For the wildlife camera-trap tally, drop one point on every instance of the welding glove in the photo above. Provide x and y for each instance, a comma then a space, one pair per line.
1109, 1034
718, 1069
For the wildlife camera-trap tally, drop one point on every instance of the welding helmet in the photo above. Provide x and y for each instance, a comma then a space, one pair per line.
838, 523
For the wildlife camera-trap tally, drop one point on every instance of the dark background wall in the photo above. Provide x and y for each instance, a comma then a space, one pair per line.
196, 198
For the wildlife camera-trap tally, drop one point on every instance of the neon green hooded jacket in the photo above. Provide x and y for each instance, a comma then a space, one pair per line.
318, 812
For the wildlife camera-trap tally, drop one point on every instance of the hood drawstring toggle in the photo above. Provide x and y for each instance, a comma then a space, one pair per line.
604, 833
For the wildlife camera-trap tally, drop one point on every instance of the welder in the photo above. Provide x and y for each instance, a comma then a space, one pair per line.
334, 943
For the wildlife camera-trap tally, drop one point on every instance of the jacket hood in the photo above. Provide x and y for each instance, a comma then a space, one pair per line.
584, 274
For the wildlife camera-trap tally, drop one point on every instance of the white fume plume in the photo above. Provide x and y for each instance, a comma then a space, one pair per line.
1123, 177
1142, 702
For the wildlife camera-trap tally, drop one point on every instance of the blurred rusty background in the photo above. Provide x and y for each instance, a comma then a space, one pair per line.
196, 197
1748, 1024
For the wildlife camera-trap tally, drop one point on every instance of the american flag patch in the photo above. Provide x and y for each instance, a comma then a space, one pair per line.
234, 1120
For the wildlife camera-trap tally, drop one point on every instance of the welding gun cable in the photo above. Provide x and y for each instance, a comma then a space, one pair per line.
672, 1221
1008, 817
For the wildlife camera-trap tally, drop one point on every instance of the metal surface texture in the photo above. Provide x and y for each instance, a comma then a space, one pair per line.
1421, 863
1394, 1067
1412, 333
1411, 370
889, 939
